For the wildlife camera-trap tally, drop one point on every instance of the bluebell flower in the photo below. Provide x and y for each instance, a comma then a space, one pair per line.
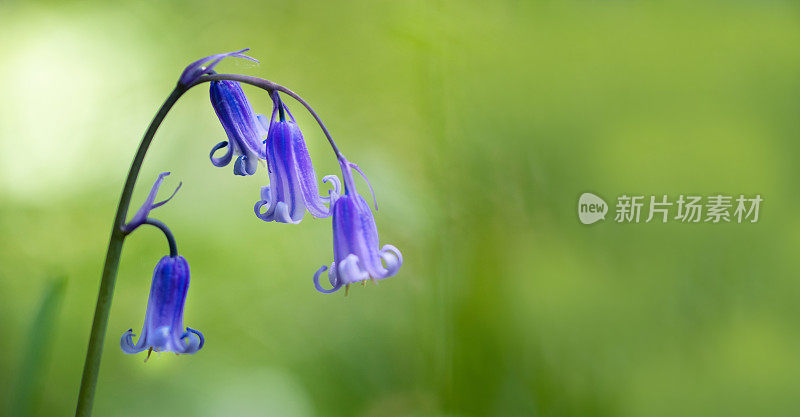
163, 329
242, 125
149, 204
356, 256
292, 185
196, 69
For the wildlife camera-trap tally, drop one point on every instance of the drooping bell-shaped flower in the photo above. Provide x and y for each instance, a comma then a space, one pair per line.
292, 185
242, 126
356, 255
163, 329
196, 69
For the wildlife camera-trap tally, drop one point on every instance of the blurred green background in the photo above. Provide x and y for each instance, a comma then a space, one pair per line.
479, 124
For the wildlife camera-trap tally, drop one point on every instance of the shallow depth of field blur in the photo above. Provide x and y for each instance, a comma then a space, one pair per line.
479, 125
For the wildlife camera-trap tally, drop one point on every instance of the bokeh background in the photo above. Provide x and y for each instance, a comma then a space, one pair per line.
479, 124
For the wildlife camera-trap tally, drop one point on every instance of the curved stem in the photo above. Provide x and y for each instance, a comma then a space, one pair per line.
100, 322
95, 350
173, 247
269, 86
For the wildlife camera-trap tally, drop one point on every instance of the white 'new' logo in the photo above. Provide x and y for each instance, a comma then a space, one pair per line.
591, 208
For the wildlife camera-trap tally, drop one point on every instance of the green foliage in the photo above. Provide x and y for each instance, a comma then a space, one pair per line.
39, 347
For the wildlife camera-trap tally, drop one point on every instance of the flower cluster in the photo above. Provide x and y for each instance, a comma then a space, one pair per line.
292, 190
293, 187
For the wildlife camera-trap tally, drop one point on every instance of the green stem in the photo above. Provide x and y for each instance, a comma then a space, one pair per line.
95, 350
173, 246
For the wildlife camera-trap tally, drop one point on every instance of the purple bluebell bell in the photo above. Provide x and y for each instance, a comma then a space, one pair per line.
163, 329
242, 125
356, 256
292, 185
149, 204
196, 69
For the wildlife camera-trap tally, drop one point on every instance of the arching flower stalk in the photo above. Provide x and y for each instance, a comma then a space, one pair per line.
293, 189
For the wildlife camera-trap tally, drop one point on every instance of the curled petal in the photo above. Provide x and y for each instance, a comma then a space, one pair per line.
335, 192
278, 213
392, 258
196, 69
263, 216
199, 336
193, 340
223, 160
265, 201
331, 277
274, 211
127, 345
